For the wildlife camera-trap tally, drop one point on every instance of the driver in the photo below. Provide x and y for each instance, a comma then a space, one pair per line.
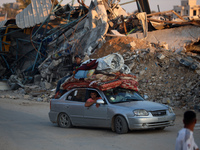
116, 97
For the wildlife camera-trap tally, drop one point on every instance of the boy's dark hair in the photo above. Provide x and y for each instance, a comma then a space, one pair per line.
94, 92
78, 56
189, 117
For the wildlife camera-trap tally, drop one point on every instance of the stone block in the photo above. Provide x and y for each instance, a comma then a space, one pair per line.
45, 99
142, 72
161, 56
4, 86
166, 101
132, 44
37, 79
39, 99
48, 85
3, 96
198, 72
27, 96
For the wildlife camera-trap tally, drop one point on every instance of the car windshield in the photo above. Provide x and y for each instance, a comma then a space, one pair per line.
120, 95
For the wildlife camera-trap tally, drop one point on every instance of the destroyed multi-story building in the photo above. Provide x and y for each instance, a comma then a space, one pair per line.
188, 8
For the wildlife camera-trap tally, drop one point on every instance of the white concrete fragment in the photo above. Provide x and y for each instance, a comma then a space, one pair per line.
4, 86
161, 56
133, 44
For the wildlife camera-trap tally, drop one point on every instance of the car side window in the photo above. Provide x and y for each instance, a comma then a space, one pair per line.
77, 95
88, 94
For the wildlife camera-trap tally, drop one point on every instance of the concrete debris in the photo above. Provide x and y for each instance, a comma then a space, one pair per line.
161, 56
20, 91
166, 101
166, 62
39, 99
15, 82
116, 33
198, 72
37, 79
2, 70
27, 96
47, 85
132, 44
142, 72
193, 46
4, 86
176, 38
189, 62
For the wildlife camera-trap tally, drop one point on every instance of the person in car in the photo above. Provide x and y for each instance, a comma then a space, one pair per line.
75, 65
116, 97
93, 99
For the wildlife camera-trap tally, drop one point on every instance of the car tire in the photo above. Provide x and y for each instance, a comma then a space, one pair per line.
64, 121
121, 126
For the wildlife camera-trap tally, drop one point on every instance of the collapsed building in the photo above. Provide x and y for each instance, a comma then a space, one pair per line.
40, 44
46, 34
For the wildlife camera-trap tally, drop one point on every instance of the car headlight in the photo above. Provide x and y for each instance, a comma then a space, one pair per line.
140, 112
170, 109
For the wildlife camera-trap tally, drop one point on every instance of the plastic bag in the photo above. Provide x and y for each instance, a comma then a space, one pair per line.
125, 69
110, 63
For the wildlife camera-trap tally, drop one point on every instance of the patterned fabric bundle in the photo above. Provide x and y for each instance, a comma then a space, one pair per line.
103, 82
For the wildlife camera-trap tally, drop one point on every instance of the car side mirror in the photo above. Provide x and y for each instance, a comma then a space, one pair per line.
100, 101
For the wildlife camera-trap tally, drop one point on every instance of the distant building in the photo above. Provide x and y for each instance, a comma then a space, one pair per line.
1, 11
2, 14
10, 11
188, 8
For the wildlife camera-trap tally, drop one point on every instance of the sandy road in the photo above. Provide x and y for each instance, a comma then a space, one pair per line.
24, 125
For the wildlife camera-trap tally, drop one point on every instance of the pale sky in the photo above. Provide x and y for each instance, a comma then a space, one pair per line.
163, 4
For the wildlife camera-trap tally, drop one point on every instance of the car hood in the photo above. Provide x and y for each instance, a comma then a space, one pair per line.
147, 105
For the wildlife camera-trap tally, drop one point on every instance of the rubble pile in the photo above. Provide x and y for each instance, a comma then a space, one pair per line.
122, 45
160, 74
167, 81
40, 93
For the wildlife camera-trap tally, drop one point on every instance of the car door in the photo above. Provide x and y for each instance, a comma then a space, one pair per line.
96, 116
75, 106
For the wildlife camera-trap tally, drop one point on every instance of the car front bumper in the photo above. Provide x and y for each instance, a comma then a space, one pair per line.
136, 123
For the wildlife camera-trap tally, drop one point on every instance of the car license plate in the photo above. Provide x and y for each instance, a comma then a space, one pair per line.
162, 119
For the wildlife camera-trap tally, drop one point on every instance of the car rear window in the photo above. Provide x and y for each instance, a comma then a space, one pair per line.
77, 95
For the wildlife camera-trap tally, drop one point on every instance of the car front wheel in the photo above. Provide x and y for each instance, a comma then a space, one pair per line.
64, 121
121, 125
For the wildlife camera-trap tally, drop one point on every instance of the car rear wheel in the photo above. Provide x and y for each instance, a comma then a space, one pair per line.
64, 121
120, 125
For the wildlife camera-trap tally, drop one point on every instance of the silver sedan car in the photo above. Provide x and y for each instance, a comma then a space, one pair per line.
119, 109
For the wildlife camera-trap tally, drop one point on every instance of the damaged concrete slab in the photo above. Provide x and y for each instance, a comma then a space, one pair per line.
4, 86
176, 38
